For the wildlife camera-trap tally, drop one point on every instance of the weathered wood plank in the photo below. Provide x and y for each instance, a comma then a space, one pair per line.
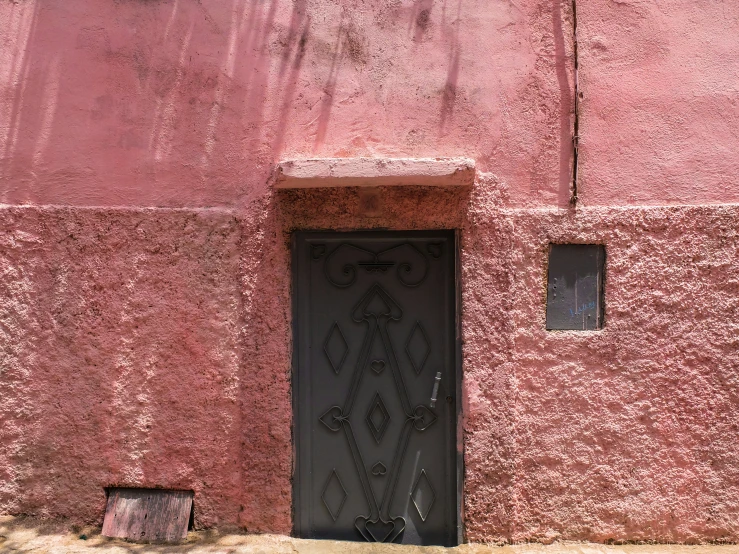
149, 515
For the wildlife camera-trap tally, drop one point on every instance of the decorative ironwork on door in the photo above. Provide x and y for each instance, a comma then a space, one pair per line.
375, 343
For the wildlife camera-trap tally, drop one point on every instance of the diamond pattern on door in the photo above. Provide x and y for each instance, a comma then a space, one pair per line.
336, 348
334, 495
377, 418
417, 347
423, 495
368, 428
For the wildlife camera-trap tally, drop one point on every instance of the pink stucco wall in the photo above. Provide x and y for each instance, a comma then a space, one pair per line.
660, 106
183, 103
145, 315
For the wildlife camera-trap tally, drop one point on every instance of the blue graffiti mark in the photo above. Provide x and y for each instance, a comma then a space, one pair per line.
583, 308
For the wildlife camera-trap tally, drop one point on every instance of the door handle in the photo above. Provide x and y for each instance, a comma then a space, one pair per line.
435, 392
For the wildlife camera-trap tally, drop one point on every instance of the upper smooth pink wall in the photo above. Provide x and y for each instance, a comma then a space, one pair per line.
660, 108
182, 103
176, 103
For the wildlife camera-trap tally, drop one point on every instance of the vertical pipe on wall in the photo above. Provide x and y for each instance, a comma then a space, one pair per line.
576, 130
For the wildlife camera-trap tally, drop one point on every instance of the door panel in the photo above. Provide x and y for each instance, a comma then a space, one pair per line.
375, 340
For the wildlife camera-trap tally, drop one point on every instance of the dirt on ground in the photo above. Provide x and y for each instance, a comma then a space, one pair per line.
21, 534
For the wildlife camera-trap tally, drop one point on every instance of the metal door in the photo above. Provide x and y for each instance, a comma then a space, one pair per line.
376, 358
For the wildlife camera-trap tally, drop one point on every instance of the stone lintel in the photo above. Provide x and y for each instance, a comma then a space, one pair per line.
374, 172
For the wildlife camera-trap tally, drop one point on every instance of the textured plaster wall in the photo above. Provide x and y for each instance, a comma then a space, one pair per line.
628, 432
118, 374
145, 322
120, 341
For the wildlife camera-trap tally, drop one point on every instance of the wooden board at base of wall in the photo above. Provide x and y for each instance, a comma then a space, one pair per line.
148, 515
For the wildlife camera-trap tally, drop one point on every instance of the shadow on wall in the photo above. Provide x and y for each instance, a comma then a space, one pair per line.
329, 90
164, 103
449, 95
20, 30
166, 93
566, 145
292, 60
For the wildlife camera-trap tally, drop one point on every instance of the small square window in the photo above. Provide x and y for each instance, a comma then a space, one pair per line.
575, 286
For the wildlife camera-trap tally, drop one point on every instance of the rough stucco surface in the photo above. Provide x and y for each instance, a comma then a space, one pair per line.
629, 432
151, 347
120, 358
625, 434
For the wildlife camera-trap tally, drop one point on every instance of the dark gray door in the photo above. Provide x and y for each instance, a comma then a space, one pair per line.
375, 388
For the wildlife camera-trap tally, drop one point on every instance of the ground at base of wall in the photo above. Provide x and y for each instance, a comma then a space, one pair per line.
43, 536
